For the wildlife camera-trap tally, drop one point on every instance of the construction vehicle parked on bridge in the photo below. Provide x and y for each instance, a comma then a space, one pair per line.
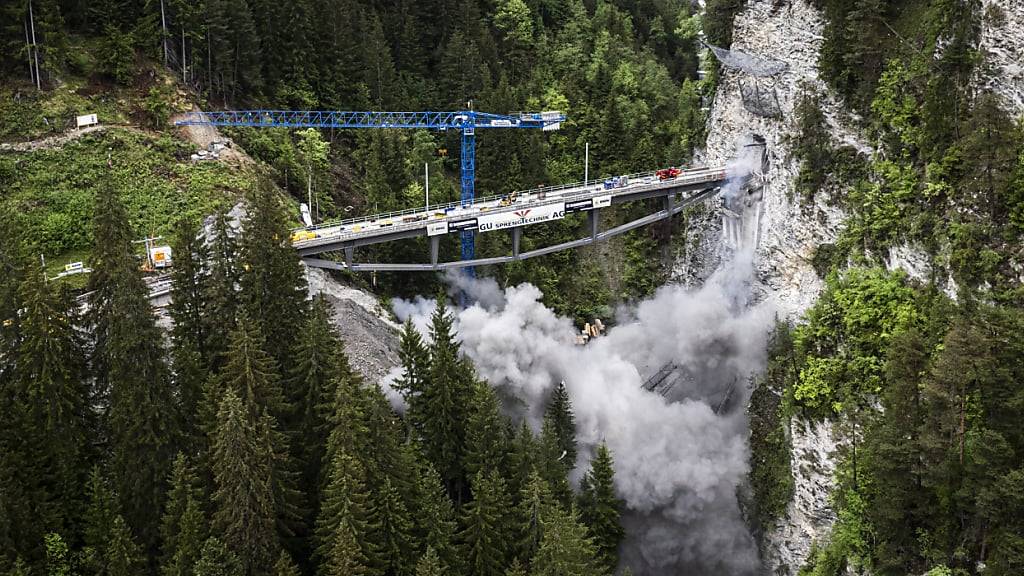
666, 173
616, 182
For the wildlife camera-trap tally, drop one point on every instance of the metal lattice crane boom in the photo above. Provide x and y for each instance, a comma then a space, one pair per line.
466, 121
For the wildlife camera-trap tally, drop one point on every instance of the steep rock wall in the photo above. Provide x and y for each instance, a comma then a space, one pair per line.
1002, 42
783, 234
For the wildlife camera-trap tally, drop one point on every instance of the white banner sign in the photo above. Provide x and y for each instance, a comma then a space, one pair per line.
87, 120
436, 228
515, 218
602, 201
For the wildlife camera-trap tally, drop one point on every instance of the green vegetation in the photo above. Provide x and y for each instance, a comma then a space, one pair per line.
625, 74
243, 451
52, 193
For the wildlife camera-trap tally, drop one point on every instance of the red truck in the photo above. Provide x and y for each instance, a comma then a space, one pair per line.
666, 173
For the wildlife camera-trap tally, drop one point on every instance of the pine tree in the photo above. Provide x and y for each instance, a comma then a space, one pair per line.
220, 308
522, 457
188, 286
285, 566
485, 446
52, 383
99, 520
129, 362
273, 286
416, 371
430, 564
536, 506
515, 568
122, 556
188, 289
183, 527
395, 534
436, 525
601, 509
320, 366
550, 463
485, 534
244, 498
345, 558
443, 403
559, 411
252, 373
218, 560
347, 506
566, 550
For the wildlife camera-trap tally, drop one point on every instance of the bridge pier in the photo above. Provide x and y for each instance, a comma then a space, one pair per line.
593, 219
350, 254
670, 203
435, 242
517, 235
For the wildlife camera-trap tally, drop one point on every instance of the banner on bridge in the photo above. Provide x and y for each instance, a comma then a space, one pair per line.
524, 217
588, 204
437, 228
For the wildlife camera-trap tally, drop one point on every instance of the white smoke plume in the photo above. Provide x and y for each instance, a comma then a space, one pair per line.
678, 464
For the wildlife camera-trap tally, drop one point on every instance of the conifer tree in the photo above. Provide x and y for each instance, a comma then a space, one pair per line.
244, 497
321, 364
272, 283
347, 505
559, 411
345, 557
515, 568
536, 506
129, 362
183, 527
601, 510
436, 524
122, 556
285, 566
566, 550
485, 446
415, 359
430, 564
251, 372
444, 405
218, 560
189, 281
99, 519
550, 463
396, 530
188, 286
522, 457
485, 534
51, 381
220, 309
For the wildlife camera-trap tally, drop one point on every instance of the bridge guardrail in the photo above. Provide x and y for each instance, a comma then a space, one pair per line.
584, 194
481, 200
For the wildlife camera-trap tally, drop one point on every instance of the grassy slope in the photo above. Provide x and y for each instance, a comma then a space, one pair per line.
51, 191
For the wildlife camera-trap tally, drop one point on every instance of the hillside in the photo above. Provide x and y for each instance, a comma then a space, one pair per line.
815, 373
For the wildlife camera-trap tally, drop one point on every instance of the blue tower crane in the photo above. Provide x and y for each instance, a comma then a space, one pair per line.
466, 121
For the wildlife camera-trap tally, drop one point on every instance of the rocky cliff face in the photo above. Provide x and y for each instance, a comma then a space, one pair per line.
1002, 42
783, 234
771, 222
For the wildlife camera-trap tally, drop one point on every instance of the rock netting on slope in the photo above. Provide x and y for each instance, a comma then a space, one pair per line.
1002, 42
786, 234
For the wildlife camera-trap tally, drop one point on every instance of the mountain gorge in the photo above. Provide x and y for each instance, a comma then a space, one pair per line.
840, 325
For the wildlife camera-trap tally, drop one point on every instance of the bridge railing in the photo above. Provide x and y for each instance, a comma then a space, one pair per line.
585, 191
482, 200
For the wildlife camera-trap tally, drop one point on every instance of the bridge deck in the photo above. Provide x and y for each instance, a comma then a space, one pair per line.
453, 217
